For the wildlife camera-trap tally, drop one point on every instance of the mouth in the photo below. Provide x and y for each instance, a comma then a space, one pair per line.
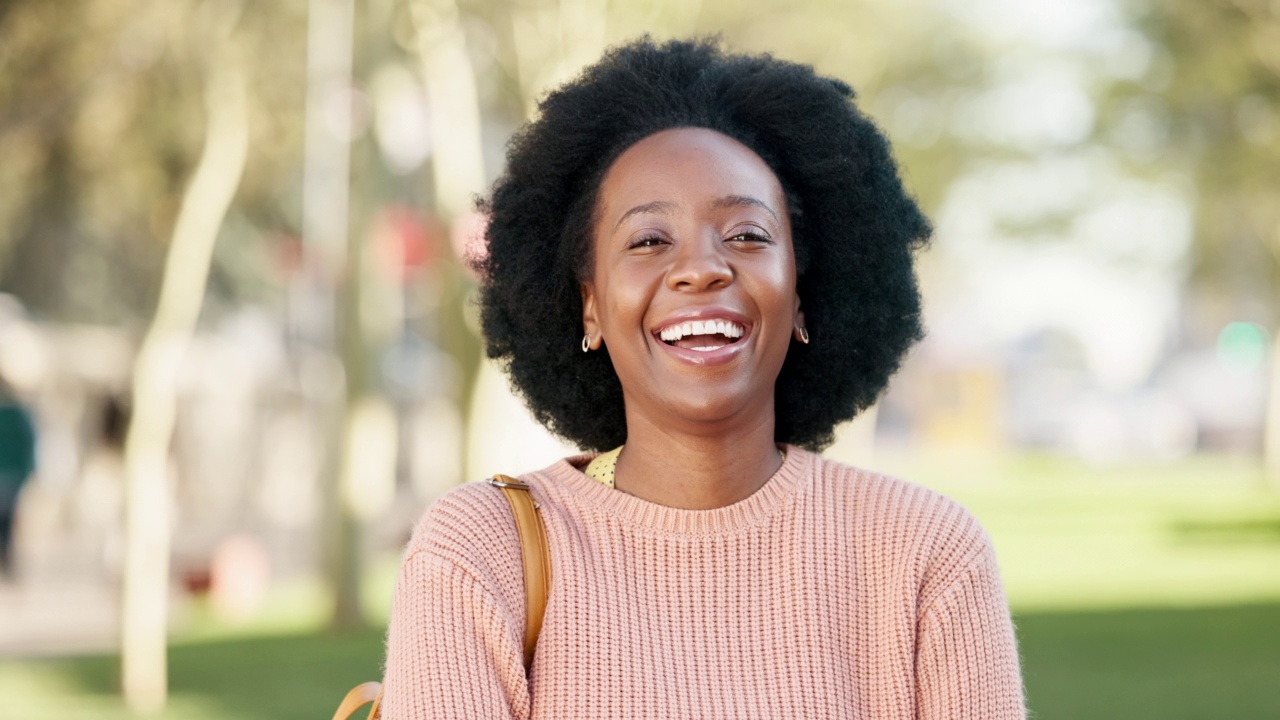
702, 335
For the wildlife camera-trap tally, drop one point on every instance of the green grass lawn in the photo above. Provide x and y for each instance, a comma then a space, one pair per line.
273, 677
1219, 663
1199, 532
1164, 664
1139, 592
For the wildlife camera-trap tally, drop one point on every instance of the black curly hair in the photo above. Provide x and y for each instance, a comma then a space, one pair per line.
854, 229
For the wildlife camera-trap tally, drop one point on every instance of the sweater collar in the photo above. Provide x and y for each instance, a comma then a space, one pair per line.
574, 486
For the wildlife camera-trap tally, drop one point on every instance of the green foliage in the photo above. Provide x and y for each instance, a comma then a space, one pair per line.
1208, 106
103, 118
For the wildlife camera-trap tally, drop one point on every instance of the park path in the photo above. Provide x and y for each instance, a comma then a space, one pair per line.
56, 618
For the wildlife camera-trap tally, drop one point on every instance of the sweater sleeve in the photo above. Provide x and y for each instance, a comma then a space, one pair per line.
966, 652
454, 640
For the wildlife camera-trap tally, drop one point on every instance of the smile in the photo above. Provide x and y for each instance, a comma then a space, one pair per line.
702, 336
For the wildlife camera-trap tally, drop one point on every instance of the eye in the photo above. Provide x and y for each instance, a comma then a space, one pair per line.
647, 241
750, 235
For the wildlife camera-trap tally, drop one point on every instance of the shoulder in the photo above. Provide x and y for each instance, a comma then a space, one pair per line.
474, 522
894, 505
471, 528
934, 536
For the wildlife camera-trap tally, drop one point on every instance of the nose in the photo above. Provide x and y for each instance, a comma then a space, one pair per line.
699, 265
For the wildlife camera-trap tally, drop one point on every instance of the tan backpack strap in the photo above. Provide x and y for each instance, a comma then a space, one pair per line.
536, 555
370, 692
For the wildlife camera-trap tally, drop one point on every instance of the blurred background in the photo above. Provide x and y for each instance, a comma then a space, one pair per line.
240, 356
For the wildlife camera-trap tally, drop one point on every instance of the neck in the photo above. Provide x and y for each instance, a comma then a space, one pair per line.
696, 472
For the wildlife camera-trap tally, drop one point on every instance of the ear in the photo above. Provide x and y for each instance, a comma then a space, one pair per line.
590, 325
798, 324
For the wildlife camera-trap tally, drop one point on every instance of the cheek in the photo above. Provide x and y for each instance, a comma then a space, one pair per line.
626, 300
776, 288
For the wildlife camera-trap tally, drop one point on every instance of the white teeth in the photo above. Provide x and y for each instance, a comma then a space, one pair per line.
726, 328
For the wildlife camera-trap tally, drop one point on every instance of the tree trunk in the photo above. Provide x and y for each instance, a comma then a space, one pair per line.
457, 164
457, 161
330, 287
155, 380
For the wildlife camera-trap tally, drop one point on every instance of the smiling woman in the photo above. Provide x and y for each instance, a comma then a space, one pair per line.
727, 240
710, 265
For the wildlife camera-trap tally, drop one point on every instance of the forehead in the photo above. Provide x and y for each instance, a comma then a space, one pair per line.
686, 166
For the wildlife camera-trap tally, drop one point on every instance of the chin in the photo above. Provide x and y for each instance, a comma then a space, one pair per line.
710, 408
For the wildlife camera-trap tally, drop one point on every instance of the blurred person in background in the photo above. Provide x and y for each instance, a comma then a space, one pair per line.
698, 264
17, 462
100, 498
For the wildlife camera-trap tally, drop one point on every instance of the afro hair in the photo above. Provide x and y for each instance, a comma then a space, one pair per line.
854, 228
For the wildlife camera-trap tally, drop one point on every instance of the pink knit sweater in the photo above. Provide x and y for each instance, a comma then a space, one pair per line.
831, 592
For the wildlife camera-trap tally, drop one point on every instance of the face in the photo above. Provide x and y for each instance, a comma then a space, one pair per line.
693, 289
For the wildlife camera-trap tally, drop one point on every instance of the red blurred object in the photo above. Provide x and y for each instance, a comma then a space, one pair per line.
197, 580
405, 242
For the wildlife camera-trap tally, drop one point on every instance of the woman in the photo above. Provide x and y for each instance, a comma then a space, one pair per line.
700, 263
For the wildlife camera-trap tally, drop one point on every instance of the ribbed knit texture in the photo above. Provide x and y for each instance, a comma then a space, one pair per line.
831, 592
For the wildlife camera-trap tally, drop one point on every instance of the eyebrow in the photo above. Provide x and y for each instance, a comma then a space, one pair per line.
657, 207
730, 201
666, 207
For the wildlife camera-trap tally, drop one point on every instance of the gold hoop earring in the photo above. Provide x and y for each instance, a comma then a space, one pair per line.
586, 343
804, 335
